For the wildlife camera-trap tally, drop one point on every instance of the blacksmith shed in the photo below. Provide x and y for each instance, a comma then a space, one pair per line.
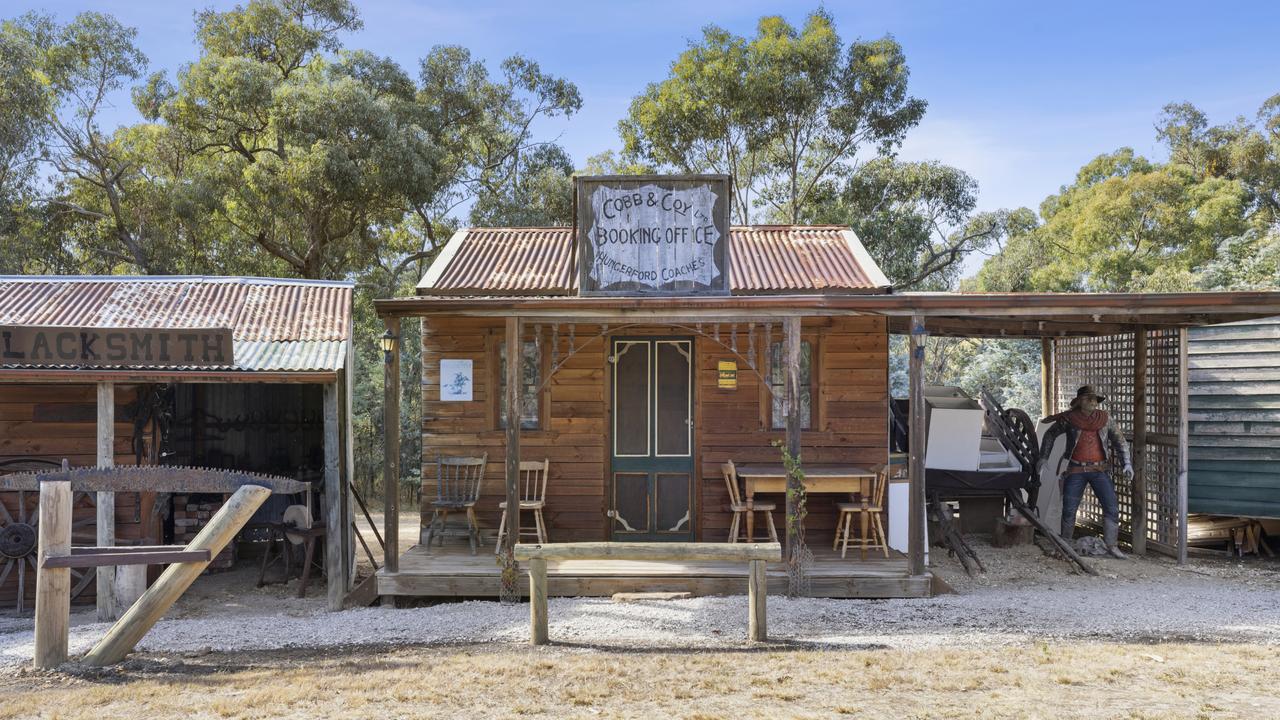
228, 372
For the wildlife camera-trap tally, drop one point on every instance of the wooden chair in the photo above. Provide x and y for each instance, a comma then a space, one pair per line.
533, 494
870, 511
458, 482
739, 506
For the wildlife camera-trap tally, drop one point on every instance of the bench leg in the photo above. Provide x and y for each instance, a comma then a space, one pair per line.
538, 601
502, 529
757, 591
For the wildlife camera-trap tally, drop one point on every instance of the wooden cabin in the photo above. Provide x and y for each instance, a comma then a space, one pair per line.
652, 342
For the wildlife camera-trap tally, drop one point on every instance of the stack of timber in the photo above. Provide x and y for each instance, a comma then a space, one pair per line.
190, 515
1228, 535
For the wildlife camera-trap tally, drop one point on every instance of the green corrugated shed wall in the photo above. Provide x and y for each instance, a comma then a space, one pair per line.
1234, 383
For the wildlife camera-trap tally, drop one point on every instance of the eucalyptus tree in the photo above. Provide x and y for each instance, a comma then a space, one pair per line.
783, 111
917, 219
303, 156
53, 129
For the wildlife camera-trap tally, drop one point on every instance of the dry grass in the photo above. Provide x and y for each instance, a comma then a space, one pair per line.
1062, 680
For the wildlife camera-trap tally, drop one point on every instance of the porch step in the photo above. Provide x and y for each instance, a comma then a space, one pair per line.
626, 597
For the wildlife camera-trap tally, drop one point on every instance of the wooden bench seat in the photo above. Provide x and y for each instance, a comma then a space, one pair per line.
754, 554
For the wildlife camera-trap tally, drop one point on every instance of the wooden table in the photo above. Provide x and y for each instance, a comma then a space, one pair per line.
770, 478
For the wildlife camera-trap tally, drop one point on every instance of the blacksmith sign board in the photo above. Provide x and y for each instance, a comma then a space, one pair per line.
126, 347
653, 234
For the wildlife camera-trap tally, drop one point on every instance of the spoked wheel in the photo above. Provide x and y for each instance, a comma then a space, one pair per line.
19, 531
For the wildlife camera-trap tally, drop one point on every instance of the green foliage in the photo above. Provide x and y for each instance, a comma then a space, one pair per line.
783, 112
539, 193
1248, 262
25, 101
1206, 219
276, 152
916, 219
610, 163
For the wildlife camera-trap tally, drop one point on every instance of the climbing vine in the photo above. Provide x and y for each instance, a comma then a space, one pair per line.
799, 557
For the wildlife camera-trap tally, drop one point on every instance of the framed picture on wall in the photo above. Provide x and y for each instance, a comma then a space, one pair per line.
455, 380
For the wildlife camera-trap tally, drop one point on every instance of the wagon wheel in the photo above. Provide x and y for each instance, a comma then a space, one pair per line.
19, 531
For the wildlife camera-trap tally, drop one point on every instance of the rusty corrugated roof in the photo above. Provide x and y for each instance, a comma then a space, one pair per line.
764, 259
277, 325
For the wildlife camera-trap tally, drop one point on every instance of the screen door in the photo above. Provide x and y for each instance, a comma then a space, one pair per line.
651, 463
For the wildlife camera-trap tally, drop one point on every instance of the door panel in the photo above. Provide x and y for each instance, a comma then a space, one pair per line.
652, 447
672, 503
631, 502
631, 399
673, 401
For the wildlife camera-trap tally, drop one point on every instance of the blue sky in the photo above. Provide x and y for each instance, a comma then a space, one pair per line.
1020, 94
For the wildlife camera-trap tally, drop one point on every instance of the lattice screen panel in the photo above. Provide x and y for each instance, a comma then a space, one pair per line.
1107, 363
1163, 414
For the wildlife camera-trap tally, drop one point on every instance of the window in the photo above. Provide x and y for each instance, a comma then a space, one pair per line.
530, 418
778, 384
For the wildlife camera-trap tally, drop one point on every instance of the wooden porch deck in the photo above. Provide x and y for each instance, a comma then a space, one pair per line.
452, 571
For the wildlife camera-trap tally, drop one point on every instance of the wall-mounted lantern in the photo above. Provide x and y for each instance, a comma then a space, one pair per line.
388, 345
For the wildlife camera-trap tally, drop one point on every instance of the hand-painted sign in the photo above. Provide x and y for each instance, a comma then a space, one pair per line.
653, 235
125, 347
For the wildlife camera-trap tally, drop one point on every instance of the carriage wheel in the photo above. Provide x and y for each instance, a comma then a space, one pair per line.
19, 532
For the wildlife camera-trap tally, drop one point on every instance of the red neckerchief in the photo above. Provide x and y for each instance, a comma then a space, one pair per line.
1082, 421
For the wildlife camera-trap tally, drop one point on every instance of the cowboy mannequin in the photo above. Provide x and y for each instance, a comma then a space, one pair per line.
1091, 437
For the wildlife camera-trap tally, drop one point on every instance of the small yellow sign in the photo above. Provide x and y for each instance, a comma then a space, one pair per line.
728, 375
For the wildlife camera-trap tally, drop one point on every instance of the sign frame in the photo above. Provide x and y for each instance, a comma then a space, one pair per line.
727, 374
459, 387
721, 185
72, 346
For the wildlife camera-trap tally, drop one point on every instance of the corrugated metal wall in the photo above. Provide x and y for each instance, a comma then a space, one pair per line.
1235, 419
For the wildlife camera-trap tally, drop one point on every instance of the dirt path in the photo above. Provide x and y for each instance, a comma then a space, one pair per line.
1029, 638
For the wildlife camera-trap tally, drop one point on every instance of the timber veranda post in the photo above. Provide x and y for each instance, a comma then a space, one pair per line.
915, 514
1183, 441
795, 538
1138, 523
53, 585
391, 449
105, 580
514, 412
1046, 377
334, 487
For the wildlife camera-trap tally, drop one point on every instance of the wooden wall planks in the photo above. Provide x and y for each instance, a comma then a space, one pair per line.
1234, 415
53, 422
853, 410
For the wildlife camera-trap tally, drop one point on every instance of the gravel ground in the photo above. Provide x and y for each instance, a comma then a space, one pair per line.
1024, 597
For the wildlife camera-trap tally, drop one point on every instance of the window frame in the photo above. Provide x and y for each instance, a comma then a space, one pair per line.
497, 381
816, 414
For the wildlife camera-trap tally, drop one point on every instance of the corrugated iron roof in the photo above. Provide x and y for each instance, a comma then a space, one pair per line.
277, 325
764, 259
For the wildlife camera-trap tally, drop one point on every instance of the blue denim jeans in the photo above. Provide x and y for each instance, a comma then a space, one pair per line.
1103, 489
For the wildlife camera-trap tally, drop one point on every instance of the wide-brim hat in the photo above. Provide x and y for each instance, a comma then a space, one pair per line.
1084, 392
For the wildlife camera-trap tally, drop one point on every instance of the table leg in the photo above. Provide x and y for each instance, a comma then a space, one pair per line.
751, 513
306, 566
